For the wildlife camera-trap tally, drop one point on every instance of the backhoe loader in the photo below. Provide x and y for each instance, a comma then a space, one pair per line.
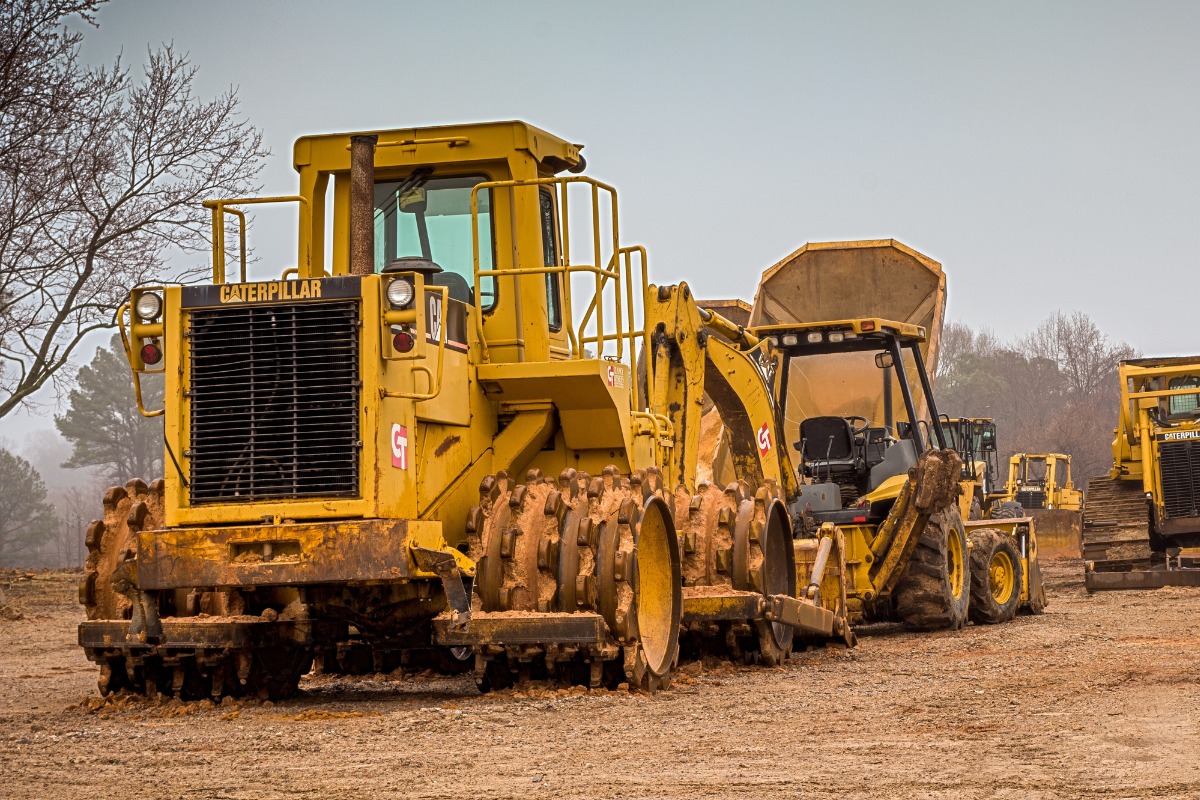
462, 432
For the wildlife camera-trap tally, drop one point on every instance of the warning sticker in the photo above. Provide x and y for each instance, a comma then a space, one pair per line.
399, 446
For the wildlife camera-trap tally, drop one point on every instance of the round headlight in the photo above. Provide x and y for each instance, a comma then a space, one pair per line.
148, 306
400, 292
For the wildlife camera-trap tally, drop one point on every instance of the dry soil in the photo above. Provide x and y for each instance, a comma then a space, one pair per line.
1097, 698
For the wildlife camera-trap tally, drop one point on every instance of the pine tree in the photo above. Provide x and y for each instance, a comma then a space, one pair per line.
104, 425
26, 519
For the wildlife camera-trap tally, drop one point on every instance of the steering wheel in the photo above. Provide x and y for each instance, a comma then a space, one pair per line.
857, 429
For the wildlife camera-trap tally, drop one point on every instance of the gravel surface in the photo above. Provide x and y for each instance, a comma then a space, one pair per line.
1097, 698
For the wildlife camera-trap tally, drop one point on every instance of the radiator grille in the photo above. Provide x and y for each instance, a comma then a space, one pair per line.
1180, 465
274, 402
1031, 498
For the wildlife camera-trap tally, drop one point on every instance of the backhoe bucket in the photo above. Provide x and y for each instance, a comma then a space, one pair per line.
851, 280
1059, 532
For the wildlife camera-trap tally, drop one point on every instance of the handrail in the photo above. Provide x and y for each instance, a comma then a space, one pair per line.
618, 267
221, 207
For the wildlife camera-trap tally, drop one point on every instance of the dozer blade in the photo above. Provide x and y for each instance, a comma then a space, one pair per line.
1059, 532
1136, 574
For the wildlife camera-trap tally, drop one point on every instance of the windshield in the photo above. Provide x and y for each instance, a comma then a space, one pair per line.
431, 217
1184, 404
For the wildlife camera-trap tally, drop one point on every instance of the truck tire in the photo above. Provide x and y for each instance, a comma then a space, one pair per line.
995, 577
1009, 509
935, 590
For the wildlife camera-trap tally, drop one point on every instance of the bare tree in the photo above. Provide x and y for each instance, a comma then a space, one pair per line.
1053, 390
1085, 356
75, 508
100, 176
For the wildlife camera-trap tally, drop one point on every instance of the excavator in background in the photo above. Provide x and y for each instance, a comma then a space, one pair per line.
1141, 521
455, 435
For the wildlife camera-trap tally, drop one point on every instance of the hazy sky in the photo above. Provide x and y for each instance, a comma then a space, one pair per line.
1045, 153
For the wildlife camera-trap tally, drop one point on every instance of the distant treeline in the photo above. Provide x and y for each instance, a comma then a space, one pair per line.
1052, 390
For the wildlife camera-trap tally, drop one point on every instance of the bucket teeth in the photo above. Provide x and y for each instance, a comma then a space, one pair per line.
555, 507
114, 495
137, 515
95, 532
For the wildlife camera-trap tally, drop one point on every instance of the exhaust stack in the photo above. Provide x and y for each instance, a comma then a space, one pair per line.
362, 204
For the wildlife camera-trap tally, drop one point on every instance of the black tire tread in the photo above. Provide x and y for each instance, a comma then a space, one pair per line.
924, 600
984, 609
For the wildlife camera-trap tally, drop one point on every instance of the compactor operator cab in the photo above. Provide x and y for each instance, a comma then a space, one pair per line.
846, 458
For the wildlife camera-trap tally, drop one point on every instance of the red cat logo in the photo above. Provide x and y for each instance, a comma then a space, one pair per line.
764, 439
399, 446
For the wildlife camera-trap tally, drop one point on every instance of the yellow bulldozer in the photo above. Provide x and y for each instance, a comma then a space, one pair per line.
462, 432
1041, 485
1141, 521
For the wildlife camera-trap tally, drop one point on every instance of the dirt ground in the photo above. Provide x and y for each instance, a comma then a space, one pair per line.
1098, 698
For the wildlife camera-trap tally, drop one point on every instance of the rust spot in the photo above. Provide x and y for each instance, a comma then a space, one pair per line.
674, 408
449, 442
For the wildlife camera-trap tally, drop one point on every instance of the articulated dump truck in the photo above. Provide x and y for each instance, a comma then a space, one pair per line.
1141, 521
462, 433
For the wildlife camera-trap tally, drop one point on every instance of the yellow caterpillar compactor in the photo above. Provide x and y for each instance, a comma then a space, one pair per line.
462, 432
1141, 522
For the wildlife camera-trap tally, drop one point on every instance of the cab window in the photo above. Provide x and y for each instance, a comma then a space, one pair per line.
1184, 405
430, 217
550, 259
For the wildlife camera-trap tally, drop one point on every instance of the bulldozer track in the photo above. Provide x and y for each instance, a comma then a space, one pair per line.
1116, 521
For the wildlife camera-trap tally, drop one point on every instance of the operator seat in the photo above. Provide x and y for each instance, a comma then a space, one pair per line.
456, 285
827, 446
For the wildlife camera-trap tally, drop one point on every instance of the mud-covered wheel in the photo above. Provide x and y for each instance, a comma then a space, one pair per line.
127, 511
656, 601
996, 577
935, 590
275, 672
773, 572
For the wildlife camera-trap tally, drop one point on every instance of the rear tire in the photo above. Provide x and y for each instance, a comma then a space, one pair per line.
935, 590
996, 577
1007, 510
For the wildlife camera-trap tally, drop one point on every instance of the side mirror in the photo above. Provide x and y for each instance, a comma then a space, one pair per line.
883, 360
414, 200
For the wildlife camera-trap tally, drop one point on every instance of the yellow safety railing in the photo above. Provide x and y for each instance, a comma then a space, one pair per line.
618, 276
222, 207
